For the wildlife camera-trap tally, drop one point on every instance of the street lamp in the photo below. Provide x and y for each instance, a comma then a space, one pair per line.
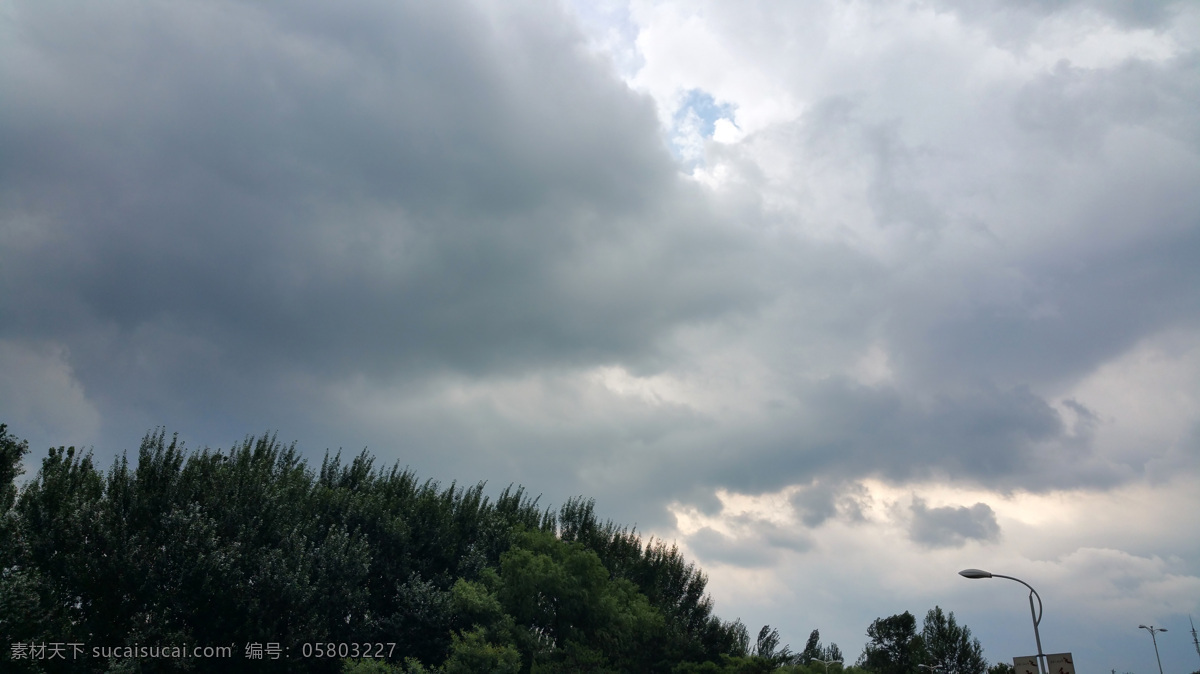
826, 663
1152, 629
1037, 616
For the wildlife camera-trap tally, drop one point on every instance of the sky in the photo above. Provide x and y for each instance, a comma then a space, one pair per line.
840, 297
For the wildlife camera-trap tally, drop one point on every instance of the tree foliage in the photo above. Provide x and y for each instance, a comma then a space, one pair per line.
253, 546
814, 651
942, 645
894, 646
1005, 668
11, 453
949, 646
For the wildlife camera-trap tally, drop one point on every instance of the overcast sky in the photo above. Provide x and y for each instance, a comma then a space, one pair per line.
843, 297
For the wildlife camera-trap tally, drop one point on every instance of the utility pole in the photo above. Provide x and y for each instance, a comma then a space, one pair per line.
1194, 641
1043, 666
1152, 629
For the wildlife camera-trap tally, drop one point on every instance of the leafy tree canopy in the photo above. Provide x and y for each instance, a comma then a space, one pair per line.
894, 646
253, 546
949, 646
813, 650
1000, 668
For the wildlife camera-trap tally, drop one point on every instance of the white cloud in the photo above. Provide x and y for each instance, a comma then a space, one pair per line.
1147, 404
1072, 546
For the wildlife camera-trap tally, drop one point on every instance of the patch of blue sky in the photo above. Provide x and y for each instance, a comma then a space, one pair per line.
694, 122
611, 31
705, 108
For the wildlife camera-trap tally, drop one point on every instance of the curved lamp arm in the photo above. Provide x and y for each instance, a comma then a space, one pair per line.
1032, 593
1036, 615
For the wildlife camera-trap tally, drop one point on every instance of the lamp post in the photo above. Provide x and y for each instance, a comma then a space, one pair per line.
826, 663
1037, 615
1152, 629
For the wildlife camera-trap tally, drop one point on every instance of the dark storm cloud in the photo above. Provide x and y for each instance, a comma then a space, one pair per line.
823, 500
1020, 247
815, 504
993, 279
836, 432
713, 546
1069, 315
1017, 18
841, 429
952, 527
375, 223
940, 252
200, 194
1072, 109
756, 544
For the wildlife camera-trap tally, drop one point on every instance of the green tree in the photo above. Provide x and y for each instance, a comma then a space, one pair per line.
1005, 668
12, 451
894, 647
472, 653
251, 545
371, 666
671, 583
25, 599
576, 617
832, 652
767, 648
950, 645
813, 650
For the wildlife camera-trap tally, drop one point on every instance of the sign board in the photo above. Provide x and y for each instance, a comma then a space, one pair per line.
1061, 663
1026, 664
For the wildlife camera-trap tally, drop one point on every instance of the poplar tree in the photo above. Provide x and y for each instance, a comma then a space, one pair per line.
949, 646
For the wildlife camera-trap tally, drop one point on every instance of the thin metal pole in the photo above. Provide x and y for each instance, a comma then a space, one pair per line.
1038, 635
1152, 629
1043, 667
1195, 642
1155, 640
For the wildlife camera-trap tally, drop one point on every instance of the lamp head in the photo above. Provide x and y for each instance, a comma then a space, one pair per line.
1143, 627
974, 573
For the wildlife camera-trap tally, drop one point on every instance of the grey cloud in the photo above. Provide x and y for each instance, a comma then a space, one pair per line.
1110, 147
845, 430
952, 527
1016, 20
984, 278
815, 504
824, 500
234, 195
714, 546
836, 432
228, 215
757, 543
1086, 420
1073, 316
788, 540
1073, 108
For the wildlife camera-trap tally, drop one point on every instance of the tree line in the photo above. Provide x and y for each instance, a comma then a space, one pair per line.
351, 567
